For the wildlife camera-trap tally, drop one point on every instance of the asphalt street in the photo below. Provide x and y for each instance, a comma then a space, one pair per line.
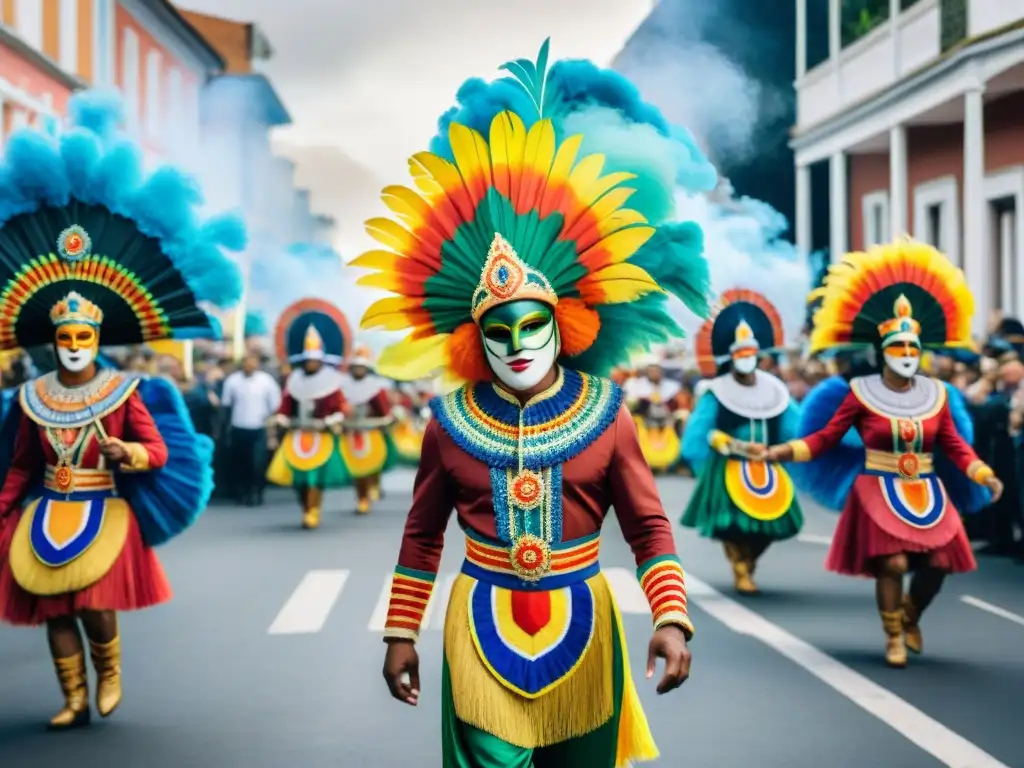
270, 657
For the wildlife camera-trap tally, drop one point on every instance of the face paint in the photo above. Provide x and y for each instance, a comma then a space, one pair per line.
77, 345
903, 359
521, 342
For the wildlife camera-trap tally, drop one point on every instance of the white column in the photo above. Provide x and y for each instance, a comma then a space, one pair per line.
801, 38
898, 182
1007, 271
976, 255
839, 207
894, 15
803, 209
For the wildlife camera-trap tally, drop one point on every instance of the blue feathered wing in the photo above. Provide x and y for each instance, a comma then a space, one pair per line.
829, 478
169, 500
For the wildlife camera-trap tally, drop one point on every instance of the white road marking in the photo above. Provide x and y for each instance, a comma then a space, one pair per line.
946, 746
814, 538
380, 611
626, 588
439, 602
310, 604
995, 610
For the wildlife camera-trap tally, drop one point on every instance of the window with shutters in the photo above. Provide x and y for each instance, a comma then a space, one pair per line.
154, 94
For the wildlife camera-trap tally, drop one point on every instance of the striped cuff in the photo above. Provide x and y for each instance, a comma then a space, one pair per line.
410, 593
665, 586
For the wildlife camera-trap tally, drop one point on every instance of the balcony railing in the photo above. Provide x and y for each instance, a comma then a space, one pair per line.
859, 17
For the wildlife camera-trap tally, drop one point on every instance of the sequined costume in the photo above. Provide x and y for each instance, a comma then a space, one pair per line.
898, 463
745, 504
89, 256
313, 336
535, 664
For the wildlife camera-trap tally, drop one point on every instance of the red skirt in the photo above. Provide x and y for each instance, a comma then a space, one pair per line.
135, 581
869, 527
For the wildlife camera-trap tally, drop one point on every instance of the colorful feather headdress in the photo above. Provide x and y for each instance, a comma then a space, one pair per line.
313, 329
743, 318
867, 294
519, 214
81, 225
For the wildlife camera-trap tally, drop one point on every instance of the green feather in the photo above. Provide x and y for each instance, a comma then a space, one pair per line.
674, 257
531, 75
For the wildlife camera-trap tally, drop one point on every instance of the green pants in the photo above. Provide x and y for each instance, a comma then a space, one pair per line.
464, 746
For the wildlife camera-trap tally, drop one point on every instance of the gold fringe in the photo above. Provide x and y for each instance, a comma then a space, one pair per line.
37, 578
635, 744
580, 704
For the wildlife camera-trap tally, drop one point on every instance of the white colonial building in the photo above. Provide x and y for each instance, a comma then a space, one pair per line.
918, 110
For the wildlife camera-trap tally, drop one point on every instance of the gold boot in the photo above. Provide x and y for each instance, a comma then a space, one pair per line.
375, 491
311, 515
363, 506
741, 571
106, 660
74, 684
895, 645
311, 518
911, 629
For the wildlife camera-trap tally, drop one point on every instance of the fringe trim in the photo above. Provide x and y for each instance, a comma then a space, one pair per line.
92, 565
581, 703
636, 743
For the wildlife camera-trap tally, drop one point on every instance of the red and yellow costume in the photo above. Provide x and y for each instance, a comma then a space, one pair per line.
365, 444
77, 528
893, 452
313, 336
535, 663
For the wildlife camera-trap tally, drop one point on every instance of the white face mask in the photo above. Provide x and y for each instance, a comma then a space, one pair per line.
744, 365
903, 365
76, 360
523, 368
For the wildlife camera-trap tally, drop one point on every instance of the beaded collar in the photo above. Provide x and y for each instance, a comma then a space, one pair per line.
48, 402
921, 401
490, 425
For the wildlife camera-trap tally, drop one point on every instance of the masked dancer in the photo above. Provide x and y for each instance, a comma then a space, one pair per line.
656, 402
99, 466
366, 446
892, 449
746, 504
311, 335
523, 273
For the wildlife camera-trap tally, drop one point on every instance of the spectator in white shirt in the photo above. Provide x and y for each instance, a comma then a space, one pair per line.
251, 396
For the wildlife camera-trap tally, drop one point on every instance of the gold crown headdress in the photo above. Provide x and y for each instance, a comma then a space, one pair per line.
506, 278
902, 326
744, 338
75, 308
312, 344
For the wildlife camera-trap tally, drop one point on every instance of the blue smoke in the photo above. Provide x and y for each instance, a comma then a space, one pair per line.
303, 270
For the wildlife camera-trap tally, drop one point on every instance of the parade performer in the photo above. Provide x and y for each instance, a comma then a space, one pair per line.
412, 412
743, 503
313, 335
656, 403
522, 273
366, 447
99, 466
899, 477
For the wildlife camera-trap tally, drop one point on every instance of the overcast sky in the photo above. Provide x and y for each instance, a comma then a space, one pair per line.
366, 81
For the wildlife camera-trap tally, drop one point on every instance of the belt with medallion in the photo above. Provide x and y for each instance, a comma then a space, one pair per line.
530, 562
909, 466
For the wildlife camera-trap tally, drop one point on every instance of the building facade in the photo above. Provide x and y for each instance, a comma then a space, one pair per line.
144, 48
917, 111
